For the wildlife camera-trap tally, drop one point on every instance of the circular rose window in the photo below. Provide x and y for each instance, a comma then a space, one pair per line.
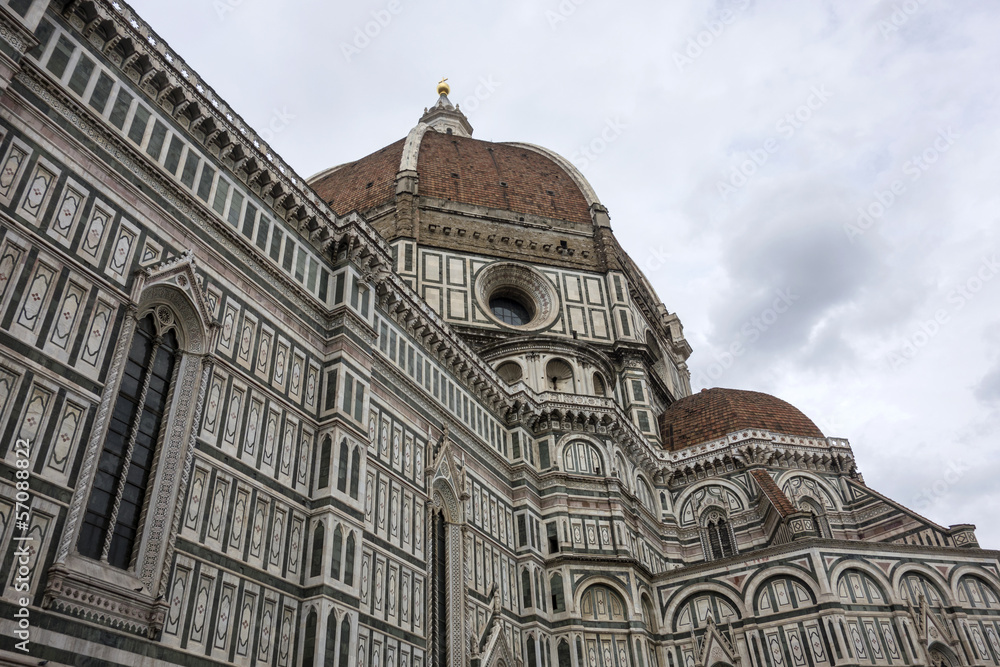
516, 296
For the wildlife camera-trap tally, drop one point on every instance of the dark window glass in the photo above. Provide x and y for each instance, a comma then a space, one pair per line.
440, 588
190, 167
126, 460
248, 219
324, 464
345, 643
205, 182
359, 401
20, 7
120, 110
309, 642
156, 138
140, 120
235, 207
81, 75
102, 90
173, 154
262, 226
355, 472
526, 590
60, 57
275, 243
348, 393
349, 561
286, 263
342, 467
338, 543
319, 537
44, 34
510, 311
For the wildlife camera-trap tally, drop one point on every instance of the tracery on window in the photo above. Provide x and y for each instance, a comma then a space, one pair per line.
112, 520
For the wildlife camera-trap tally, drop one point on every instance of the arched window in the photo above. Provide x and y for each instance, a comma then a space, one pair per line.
558, 376
342, 466
600, 388
645, 494
648, 615
323, 477
720, 538
562, 652
316, 564
349, 561
338, 540
111, 521
601, 603
525, 589
532, 655
345, 643
330, 652
556, 589
309, 641
355, 471
582, 458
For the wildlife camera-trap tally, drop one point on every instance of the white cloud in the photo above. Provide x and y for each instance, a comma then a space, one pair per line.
895, 82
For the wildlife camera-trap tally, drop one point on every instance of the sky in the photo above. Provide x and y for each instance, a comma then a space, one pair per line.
811, 186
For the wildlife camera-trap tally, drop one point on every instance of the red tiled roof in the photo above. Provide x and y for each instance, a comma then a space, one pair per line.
472, 172
777, 497
713, 413
464, 170
348, 189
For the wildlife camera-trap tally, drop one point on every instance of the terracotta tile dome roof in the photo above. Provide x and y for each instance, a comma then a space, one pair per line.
713, 413
502, 176
364, 184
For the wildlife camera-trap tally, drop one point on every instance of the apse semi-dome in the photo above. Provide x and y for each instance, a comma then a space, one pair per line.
713, 413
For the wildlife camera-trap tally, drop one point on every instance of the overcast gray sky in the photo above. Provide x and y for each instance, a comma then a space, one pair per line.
835, 161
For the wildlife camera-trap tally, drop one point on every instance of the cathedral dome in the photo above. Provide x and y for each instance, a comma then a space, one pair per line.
713, 413
450, 165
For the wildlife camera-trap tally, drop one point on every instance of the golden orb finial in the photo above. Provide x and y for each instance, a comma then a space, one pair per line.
443, 87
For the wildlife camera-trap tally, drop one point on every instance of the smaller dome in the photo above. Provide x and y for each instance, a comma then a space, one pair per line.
713, 413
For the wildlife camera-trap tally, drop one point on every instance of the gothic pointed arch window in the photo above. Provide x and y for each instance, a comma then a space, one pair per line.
309, 640
344, 659
562, 654
119, 534
718, 540
355, 471
342, 466
525, 589
323, 474
116, 506
330, 652
336, 555
556, 590
349, 560
319, 537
